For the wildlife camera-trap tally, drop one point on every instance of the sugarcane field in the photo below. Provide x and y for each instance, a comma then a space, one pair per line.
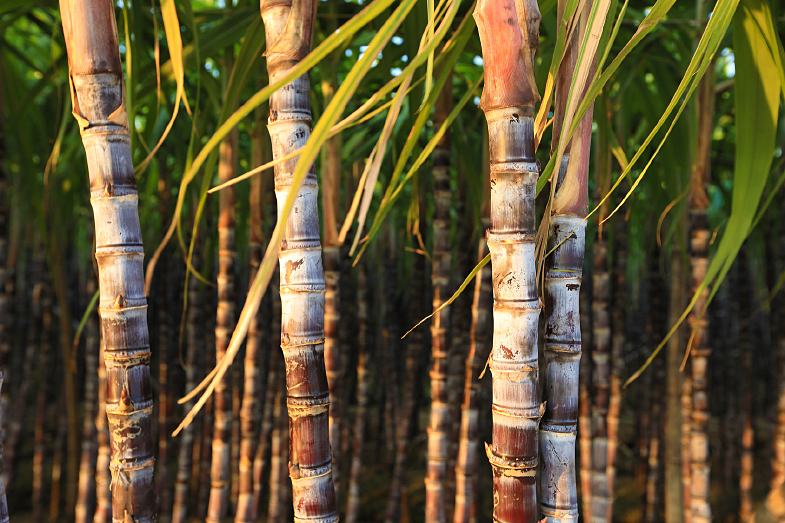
392, 261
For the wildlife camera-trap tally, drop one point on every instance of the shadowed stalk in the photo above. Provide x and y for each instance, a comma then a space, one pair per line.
36, 275
195, 352
103, 505
353, 497
263, 459
206, 451
468, 451
257, 352
658, 315
275, 509
6, 301
508, 101
618, 315
99, 106
165, 301
479, 347
438, 424
3, 502
85, 500
331, 191
289, 32
699, 317
396, 505
39, 431
563, 277
746, 474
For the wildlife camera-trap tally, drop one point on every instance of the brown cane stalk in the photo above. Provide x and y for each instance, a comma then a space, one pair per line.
438, 424
96, 79
85, 501
103, 506
218, 506
289, 31
699, 318
257, 353
353, 496
195, 350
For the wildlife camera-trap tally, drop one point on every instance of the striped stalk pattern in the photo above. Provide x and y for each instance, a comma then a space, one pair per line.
195, 351
86, 494
468, 451
99, 106
699, 317
509, 109
302, 286
218, 505
438, 425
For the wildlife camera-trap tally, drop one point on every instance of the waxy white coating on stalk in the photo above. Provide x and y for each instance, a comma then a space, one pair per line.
514, 362
562, 355
288, 28
122, 305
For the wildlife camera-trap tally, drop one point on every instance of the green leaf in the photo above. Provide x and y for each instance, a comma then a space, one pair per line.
757, 110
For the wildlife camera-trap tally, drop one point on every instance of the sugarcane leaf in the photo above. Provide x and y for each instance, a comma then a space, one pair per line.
386, 206
83, 321
757, 93
318, 137
175, 43
324, 49
457, 293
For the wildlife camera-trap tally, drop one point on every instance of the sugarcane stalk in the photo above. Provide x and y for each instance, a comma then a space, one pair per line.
103, 506
468, 451
96, 77
206, 451
263, 459
699, 318
289, 31
563, 278
257, 352
6, 302
353, 496
331, 190
4, 518
85, 501
276, 511
508, 100
438, 424
406, 420
162, 481
619, 339
39, 430
746, 477
657, 316
686, 434
218, 506
195, 351
36, 274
